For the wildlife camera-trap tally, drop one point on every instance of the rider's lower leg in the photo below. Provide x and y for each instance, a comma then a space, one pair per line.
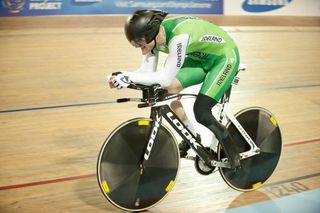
177, 107
202, 111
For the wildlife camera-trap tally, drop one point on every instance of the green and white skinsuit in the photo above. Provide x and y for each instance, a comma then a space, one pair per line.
198, 52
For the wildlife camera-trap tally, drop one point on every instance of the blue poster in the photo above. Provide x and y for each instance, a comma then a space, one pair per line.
90, 7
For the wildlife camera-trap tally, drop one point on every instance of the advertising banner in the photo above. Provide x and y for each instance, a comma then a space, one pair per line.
272, 7
90, 7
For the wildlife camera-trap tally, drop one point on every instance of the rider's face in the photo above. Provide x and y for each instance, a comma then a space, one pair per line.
145, 47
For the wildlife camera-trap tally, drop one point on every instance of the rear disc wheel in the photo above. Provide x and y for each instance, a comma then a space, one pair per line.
263, 129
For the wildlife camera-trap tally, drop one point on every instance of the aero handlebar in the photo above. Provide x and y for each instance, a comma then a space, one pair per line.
151, 95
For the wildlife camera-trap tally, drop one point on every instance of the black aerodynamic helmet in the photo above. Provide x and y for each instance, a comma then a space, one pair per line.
144, 25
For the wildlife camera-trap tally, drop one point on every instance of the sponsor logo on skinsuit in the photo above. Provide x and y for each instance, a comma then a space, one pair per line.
179, 53
200, 55
257, 6
212, 38
14, 6
224, 75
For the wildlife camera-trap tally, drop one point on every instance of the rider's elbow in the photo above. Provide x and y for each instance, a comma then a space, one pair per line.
164, 82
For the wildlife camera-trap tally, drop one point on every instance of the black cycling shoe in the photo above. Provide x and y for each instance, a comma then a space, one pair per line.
231, 151
184, 146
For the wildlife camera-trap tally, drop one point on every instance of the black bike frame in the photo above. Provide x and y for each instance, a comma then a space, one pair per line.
157, 112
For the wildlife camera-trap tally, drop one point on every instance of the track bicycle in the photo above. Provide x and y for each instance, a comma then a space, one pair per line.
138, 162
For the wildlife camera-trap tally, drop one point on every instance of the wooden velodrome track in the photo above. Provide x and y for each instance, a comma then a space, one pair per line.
56, 110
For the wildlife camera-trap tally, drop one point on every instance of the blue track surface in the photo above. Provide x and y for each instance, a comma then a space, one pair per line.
306, 202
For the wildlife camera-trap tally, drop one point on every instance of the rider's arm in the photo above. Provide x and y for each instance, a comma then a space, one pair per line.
149, 63
177, 52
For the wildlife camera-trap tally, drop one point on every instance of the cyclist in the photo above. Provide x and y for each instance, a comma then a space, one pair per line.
198, 52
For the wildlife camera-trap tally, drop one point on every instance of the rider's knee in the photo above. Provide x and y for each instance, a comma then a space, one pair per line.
174, 105
178, 109
175, 86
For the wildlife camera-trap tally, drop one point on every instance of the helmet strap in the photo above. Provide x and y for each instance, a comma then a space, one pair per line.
154, 46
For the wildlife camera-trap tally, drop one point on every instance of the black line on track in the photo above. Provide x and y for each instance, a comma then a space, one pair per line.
112, 102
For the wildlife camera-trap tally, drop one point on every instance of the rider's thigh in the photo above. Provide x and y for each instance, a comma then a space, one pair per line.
221, 75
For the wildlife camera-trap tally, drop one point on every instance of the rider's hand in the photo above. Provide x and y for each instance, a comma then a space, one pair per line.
119, 80
109, 81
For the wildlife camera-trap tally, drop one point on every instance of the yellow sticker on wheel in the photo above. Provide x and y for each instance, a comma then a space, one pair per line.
273, 121
105, 186
170, 185
256, 185
143, 123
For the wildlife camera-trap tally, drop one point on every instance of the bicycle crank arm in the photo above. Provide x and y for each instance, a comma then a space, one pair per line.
223, 163
214, 163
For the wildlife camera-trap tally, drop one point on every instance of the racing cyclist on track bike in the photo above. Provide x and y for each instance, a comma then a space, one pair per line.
198, 52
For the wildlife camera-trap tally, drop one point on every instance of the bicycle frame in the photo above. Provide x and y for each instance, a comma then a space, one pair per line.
225, 113
157, 112
163, 110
